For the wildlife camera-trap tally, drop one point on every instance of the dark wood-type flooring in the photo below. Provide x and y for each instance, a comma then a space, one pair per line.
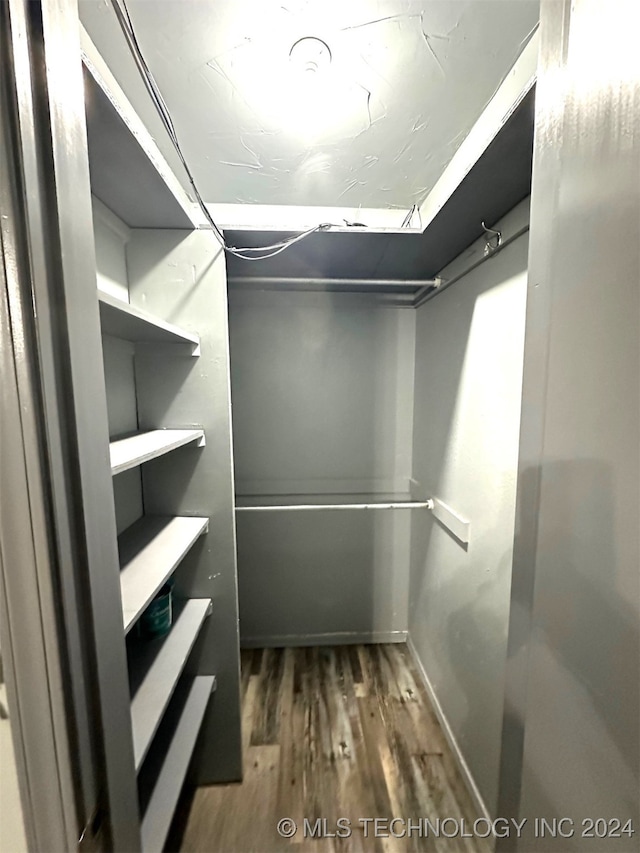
333, 732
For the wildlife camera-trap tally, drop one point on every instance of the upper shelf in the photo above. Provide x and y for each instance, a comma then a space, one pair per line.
128, 173
136, 449
122, 320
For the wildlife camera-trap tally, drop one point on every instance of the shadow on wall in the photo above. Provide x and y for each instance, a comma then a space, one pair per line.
443, 626
581, 758
469, 351
440, 397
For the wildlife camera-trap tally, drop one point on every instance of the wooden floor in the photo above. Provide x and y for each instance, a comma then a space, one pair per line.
333, 732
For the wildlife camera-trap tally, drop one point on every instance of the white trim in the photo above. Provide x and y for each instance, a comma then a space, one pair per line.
467, 776
501, 106
338, 639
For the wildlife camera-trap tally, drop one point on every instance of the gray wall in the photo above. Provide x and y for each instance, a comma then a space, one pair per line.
110, 236
469, 350
572, 725
322, 388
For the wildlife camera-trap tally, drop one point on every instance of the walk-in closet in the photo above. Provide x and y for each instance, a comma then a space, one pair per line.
316, 438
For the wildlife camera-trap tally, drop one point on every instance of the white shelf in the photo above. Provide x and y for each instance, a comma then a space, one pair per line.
128, 173
164, 797
149, 551
155, 667
121, 320
132, 451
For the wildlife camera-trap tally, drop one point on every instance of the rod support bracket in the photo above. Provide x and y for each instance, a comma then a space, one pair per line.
491, 234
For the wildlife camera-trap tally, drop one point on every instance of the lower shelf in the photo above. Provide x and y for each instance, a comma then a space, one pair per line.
165, 769
155, 667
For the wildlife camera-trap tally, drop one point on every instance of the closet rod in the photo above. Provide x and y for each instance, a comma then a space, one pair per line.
428, 292
275, 281
314, 507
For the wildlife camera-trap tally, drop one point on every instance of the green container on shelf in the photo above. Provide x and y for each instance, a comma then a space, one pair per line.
157, 618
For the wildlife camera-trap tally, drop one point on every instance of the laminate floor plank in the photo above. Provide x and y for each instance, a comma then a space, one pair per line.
256, 656
266, 722
367, 781
245, 671
403, 739
434, 735
291, 784
432, 740
331, 733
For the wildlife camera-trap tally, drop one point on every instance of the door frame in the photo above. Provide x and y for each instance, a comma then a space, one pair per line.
66, 657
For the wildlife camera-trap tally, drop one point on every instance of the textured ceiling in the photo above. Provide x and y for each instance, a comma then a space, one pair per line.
375, 129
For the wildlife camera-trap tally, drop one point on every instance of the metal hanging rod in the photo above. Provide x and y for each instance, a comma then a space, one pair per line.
278, 282
427, 293
325, 507
449, 518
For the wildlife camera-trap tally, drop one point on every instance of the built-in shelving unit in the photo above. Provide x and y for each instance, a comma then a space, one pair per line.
161, 290
132, 179
165, 769
155, 667
149, 552
122, 320
134, 450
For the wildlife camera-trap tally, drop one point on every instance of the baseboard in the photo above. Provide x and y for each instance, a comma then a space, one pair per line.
451, 740
338, 639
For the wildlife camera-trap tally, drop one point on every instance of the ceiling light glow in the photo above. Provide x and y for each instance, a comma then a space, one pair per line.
297, 84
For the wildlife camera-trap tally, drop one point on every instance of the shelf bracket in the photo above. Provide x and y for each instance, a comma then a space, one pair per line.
455, 524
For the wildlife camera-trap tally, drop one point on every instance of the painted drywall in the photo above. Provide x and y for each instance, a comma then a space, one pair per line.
314, 578
110, 238
322, 388
406, 83
571, 740
469, 351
